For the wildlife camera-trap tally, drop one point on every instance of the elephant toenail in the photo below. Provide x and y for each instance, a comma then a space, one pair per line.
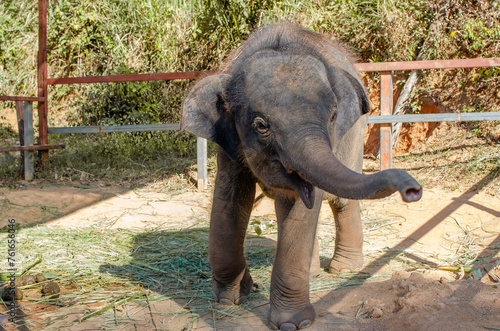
274, 326
225, 301
288, 326
304, 324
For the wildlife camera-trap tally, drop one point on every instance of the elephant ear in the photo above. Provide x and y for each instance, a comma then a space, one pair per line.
344, 83
351, 100
204, 114
361, 92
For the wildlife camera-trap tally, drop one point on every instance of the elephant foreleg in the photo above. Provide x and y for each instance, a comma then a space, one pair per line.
232, 204
290, 305
348, 255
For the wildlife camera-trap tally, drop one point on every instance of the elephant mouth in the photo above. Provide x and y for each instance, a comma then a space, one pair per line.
303, 188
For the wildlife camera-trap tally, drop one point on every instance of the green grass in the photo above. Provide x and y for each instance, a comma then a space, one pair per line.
111, 157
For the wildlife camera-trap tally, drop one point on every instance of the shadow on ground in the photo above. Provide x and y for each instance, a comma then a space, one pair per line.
174, 265
490, 250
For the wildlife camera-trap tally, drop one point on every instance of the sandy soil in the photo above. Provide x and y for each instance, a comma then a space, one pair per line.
443, 229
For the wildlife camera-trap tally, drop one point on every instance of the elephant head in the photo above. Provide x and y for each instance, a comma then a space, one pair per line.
281, 108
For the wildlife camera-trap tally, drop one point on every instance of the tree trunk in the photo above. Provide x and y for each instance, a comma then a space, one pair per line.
401, 104
412, 80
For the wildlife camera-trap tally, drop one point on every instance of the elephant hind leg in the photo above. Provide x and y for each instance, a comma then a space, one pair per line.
348, 255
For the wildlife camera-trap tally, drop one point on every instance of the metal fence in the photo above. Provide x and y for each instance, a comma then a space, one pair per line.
24, 104
385, 119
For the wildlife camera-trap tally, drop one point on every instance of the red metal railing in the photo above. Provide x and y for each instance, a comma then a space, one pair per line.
130, 77
428, 64
42, 78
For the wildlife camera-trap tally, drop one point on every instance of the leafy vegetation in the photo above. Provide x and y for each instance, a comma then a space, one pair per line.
99, 37
104, 37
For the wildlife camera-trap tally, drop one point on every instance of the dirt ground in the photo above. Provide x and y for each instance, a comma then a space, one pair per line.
446, 228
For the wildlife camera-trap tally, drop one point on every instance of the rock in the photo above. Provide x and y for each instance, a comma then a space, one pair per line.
40, 278
408, 286
25, 280
9, 295
492, 275
376, 312
51, 289
415, 276
372, 303
400, 275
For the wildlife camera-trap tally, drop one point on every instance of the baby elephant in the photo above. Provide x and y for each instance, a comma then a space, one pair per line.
287, 112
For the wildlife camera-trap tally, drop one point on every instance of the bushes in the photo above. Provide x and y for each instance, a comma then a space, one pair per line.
121, 103
102, 37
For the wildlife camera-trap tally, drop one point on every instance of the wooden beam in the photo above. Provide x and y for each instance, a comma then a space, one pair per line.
31, 148
377, 66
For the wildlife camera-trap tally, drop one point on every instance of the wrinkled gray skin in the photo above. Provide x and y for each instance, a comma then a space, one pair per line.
287, 98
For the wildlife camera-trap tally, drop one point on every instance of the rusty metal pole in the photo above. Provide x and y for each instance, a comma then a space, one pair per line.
385, 129
42, 78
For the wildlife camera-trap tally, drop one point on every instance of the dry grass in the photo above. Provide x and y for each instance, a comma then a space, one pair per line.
101, 268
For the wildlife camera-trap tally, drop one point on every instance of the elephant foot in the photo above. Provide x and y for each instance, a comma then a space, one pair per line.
235, 292
345, 264
291, 320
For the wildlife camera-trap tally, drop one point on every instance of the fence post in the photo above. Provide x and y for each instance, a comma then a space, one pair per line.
385, 129
20, 128
42, 79
201, 149
29, 161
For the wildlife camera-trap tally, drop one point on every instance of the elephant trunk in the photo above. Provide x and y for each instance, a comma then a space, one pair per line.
315, 163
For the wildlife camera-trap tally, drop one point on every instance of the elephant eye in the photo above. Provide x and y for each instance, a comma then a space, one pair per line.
333, 117
261, 126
